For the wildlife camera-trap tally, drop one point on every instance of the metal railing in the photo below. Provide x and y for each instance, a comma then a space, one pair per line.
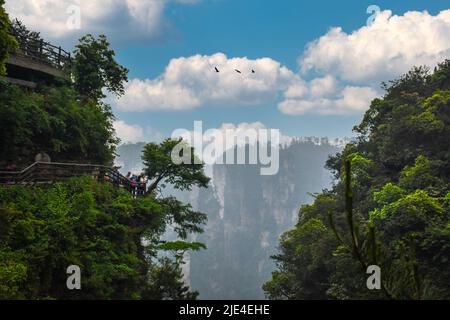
51, 172
41, 51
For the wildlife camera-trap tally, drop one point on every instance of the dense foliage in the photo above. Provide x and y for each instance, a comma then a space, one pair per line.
53, 120
67, 121
113, 238
7, 42
95, 69
400, 182
161, 168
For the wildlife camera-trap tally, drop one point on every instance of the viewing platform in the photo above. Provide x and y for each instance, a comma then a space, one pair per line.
36, 61
40, 173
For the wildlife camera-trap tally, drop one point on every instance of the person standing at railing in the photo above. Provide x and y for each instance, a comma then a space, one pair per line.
142, 184
134, 185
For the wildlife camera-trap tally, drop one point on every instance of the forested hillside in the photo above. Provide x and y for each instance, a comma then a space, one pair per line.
113, 237
400, 180
95, 226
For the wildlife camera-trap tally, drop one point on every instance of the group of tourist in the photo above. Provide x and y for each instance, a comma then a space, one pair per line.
138, 183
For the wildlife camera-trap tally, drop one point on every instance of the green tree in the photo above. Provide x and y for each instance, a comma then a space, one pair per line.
390, 209
160, 167
7, 41
166, 282
95, 69
114, 238
56, 121
305, 245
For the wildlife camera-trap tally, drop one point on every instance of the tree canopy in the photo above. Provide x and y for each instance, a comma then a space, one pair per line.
115, 239
95, 69
7, 42
53, 120
400, 212
160, 167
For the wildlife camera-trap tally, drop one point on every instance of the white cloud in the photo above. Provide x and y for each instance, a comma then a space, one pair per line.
386, 49
355, 99
298, 88
351, 66
146, 14
344, 70
347, 101
127, 132
135, 133
192, 82
129, 18
348, 69
320, 87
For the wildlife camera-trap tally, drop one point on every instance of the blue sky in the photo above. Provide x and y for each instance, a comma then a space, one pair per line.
254, 28
251, 30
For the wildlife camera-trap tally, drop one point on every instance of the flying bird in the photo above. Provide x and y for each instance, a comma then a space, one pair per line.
238, 71
253, 71
217, 70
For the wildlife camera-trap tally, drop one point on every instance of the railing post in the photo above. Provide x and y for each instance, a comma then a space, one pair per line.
41, 48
